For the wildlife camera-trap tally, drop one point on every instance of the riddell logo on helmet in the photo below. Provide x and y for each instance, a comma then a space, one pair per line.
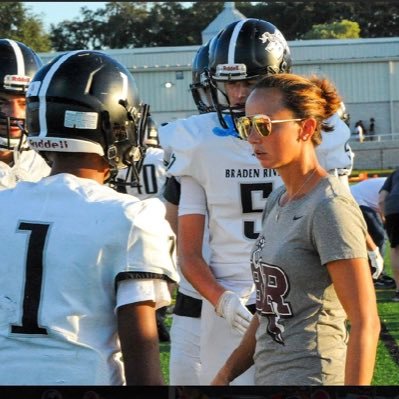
10, 79
231, 68
53, 144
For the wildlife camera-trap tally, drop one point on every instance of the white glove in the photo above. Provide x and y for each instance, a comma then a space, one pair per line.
231, 307
376, 262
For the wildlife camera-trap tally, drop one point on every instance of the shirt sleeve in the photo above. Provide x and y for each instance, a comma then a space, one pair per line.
151, 244
339, 230
133, 291
193, 197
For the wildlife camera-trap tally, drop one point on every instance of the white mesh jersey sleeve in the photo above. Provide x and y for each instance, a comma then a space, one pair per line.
193, 201
181, 140
192, 198
151, 241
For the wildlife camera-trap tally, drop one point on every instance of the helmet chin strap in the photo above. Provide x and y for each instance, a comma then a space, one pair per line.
234, 112
214, 95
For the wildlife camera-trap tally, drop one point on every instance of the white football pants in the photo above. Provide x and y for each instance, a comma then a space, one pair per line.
184, 362
218, 340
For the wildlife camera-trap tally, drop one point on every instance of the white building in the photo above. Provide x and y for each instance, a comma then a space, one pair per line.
366, 72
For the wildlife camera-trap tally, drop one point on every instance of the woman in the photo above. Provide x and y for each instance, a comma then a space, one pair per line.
311, 273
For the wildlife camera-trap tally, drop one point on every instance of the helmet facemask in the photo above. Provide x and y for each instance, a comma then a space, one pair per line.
128, 148
202, 95
18, 64
7, 142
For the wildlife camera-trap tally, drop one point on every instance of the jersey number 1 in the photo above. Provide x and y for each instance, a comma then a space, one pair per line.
33, 279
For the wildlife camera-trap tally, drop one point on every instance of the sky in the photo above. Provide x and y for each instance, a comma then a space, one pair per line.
55, 12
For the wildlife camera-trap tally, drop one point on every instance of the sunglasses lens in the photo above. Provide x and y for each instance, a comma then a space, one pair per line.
263, 125
244, 126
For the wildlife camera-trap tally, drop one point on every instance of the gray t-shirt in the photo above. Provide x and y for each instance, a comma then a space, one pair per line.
302, 336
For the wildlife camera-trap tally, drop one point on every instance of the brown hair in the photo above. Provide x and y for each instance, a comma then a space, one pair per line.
311, 97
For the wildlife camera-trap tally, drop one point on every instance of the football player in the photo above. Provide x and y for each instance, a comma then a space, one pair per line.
84, 267
184, 361
18, 64
236, 188
220, 176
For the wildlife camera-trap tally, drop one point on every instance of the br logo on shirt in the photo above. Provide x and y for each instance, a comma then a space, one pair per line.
272, 287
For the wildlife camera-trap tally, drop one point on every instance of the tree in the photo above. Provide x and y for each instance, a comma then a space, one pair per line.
336, 30
18, 23
144, 24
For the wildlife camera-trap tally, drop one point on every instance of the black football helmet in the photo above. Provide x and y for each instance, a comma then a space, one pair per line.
199, 87
85, 101
245, 50
18, 64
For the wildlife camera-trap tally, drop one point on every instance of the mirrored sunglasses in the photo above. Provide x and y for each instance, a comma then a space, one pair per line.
261, 123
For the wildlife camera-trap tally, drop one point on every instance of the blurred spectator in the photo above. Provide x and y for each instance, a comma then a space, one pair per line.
371, 129
389, 205
366, 194
359, 131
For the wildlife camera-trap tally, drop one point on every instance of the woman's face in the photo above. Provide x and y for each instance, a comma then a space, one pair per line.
282, 145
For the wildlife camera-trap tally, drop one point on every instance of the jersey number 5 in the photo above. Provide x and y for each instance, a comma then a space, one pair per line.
250, 205
33, 278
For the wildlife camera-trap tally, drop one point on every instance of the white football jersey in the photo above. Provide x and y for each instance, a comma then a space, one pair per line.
152, 175
235, 183
64, 243
28, 166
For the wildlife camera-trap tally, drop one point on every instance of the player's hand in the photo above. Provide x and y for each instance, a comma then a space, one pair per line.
376, 263
231, 307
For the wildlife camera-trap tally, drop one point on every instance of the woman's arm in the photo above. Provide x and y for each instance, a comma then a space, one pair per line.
353, 285
242, 357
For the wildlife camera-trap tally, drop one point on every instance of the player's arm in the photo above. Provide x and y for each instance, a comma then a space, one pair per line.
191, 225
139, 343
142, 287
241, 358
355, 290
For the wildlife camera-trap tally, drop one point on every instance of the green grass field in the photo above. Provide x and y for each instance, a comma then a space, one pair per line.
387, 369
